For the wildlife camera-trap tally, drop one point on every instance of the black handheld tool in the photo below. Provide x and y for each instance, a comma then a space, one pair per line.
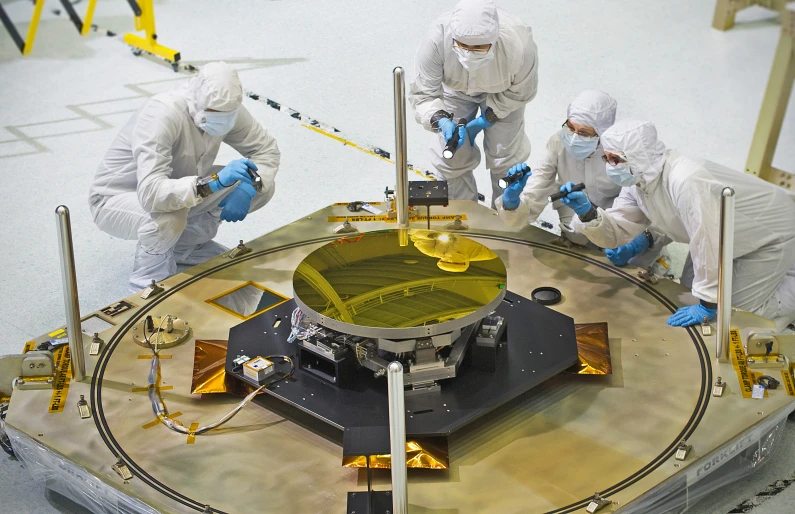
561, 194
256, 179
452, 145
507, 180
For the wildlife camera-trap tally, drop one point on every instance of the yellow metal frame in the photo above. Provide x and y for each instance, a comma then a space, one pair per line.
212, 300
89, 17
774, 107
148, 43
725, 10
33, 27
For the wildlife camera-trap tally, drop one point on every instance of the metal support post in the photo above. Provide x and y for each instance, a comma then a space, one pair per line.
401, 162
725, 267
72, 305
397, 437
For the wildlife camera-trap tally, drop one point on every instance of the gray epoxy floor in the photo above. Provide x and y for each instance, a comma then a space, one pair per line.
62, 105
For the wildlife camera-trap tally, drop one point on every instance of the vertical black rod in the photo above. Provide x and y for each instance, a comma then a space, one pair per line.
70, 10
12, 30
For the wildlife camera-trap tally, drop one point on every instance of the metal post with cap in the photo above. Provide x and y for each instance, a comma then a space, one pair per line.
725, 267
71, 302
397, 437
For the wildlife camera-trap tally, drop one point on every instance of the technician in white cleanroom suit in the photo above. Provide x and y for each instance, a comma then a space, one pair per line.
475, 58
682, 198
157, 182
574, 154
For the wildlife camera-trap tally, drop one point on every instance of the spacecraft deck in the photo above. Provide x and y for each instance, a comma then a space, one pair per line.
547, 451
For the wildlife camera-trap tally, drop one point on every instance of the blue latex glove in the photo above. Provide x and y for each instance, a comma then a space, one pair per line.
233, 172
475, 126
691, 315
577, 200
447, 127
236, 205
621, 255
511, 195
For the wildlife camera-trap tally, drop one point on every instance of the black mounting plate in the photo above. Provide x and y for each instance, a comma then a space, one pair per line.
540, 344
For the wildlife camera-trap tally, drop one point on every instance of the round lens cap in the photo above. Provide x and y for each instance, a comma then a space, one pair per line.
546, 295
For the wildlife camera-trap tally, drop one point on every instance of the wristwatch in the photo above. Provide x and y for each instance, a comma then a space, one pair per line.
490, 116
438, 115
203, 185
589, 216
650, 237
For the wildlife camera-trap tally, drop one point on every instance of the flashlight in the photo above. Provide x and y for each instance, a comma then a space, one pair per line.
562, 194
507, 180
452, 145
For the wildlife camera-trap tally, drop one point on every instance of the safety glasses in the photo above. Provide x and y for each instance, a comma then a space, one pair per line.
613, 159
582, 133
478, 49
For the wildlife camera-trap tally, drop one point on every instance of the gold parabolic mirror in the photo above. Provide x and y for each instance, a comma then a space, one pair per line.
372, 280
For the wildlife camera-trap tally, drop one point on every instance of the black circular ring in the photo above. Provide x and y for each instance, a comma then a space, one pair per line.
546, 295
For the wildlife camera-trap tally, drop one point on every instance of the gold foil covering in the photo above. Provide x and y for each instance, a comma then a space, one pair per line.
209, 373
593, 348
420, 454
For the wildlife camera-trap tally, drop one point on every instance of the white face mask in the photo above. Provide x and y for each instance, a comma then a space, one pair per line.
473, 60
578, 147
216, 123
621, 175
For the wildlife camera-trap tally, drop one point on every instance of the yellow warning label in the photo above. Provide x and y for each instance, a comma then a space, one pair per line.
63, 375
384, 219
345, 204
746, 377
789, 384
58, 333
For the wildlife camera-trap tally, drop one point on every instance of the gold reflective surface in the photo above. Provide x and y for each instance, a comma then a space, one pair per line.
247, 300
209, 374
420, 454
372, 280
593, 350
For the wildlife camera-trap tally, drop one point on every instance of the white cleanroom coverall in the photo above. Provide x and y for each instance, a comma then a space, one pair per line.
506, 84
682, 198
145, 187
592, 108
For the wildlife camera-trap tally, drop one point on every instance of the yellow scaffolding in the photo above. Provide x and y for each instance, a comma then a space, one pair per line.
144, 11
774, 107
145, 20
725, 10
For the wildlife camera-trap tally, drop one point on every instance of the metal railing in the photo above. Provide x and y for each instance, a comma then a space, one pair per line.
725, 267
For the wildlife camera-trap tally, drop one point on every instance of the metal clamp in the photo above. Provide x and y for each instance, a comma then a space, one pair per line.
346, 228
83, 408
597, 503
719, 388
682, 450
96, 345
151, 291
240, 249
648, 276
123, 471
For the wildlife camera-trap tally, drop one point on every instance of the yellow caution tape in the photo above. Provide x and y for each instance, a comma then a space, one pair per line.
384, 219
63, 375
746, 377
789, 384
345, 204
149, 357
